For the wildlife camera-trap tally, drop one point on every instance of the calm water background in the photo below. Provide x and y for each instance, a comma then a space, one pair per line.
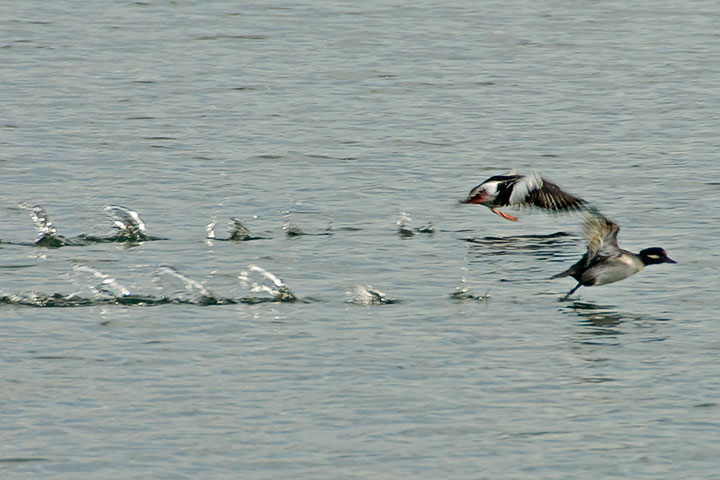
358, 116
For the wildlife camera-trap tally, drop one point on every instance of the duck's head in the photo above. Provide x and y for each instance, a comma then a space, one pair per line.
655, 255
484, 194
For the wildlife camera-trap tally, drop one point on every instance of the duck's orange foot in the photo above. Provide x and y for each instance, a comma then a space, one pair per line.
505, 215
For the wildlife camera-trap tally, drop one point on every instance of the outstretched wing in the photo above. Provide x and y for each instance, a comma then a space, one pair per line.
534, 191
601, 235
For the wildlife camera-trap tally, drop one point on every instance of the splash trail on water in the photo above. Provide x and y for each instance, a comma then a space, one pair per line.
367, 295
128, 224
47, 233
237, 232
405, 231
176, 288
291, 229
101, 284
257, 280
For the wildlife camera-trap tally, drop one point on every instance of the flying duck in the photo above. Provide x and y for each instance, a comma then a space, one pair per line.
605, 262
513, 190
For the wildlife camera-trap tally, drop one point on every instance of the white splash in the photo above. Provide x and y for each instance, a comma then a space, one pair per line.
238, 231
258, 280
127, 221
367, 295
102, 285
289, 227
404, 225
44, 226
186, 289
210, 230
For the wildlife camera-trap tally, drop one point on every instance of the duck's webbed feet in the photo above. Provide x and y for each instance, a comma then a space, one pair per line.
571, 292
504, 215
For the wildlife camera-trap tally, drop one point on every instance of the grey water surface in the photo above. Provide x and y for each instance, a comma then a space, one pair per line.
347, 317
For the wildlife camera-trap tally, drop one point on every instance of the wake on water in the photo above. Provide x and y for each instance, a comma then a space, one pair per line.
98, 288
94, 287
129, 228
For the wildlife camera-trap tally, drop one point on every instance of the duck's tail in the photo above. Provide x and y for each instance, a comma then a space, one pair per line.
566, 273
